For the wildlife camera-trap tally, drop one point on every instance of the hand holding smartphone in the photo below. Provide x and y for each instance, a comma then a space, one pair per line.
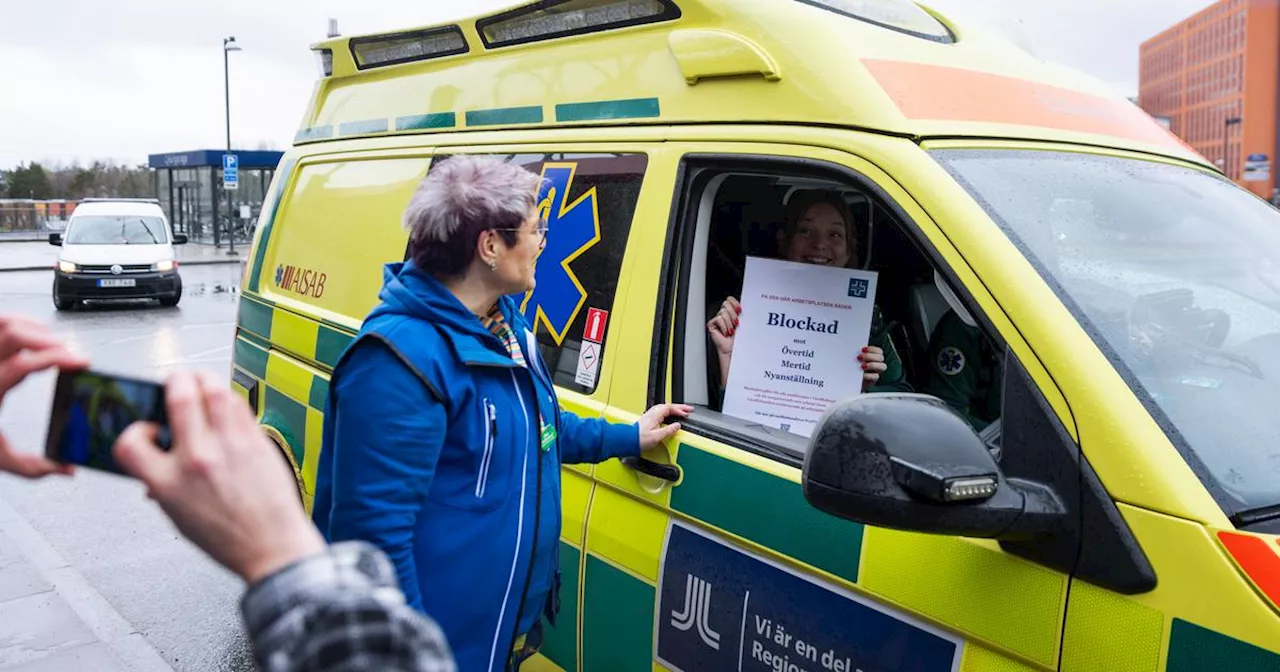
90, 411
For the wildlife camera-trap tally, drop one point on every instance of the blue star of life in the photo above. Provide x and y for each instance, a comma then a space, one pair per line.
572, 228
951, 361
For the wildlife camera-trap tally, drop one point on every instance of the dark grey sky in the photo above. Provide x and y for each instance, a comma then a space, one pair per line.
87, 79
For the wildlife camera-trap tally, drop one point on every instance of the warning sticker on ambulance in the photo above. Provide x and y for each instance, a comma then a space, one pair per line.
588, 365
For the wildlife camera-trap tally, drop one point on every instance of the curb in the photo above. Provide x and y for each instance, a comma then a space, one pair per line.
196, 262
128, 645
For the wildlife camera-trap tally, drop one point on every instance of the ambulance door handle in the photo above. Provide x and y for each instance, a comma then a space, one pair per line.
666, 472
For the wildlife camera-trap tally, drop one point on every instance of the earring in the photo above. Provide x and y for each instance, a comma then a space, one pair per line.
493, 265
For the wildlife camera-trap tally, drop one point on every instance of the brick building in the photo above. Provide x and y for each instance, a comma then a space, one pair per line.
1216, 77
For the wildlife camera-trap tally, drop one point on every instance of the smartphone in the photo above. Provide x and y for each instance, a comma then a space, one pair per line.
90, 411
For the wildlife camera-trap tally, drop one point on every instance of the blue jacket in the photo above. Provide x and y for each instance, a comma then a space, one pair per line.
444, 453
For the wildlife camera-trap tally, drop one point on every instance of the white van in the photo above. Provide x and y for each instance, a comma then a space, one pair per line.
116, 249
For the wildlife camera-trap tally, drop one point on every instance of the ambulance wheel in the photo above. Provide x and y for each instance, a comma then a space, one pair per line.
297, 478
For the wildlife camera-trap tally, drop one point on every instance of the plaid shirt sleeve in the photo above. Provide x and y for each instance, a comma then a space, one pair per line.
337, 611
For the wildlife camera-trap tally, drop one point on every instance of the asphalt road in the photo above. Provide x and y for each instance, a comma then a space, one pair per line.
184, 604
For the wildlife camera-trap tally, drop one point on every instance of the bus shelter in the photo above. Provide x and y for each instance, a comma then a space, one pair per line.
189, 186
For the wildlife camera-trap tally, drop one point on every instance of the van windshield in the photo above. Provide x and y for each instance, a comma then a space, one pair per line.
1176, 275
108, 230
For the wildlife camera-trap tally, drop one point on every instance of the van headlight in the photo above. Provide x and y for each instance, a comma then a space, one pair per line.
167, 265
67, 267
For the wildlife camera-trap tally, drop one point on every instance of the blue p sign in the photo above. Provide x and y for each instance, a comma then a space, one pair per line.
230, 171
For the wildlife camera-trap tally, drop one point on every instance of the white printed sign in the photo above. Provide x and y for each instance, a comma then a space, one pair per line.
588, 364
795, 352
1257, 168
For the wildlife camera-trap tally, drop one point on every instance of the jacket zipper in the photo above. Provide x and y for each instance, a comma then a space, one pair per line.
490, 438
537, 519
515, 559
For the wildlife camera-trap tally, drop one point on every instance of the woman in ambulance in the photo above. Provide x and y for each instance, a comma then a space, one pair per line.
819, 230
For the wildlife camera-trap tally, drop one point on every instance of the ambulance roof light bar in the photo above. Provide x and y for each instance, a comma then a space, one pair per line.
407, 47
550, 19
903, 16
324, 58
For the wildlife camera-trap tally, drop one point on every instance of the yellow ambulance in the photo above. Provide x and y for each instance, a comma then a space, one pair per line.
1122, 511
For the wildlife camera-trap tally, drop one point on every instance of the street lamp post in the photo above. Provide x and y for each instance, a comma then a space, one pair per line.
228, 45
1226, 144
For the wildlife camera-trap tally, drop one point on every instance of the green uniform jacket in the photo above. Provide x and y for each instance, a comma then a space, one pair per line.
894, 379
963, 373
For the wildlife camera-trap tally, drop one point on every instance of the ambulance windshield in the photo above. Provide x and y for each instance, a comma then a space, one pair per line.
1175, 273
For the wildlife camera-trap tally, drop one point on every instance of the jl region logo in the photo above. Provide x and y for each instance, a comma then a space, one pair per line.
697, 603
572, 229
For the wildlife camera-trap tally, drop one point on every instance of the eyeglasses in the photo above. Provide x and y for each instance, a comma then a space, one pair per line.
540, 231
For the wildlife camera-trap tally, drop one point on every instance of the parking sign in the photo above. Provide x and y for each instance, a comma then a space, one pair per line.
230, 172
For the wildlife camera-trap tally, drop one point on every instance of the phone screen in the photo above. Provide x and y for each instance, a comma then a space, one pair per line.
91, 410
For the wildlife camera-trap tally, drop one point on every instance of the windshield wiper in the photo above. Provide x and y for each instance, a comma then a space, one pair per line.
149, 233
1244, 364
1254, 516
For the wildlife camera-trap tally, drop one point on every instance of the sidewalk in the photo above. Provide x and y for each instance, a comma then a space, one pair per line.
41, 256
52, 619
7, 236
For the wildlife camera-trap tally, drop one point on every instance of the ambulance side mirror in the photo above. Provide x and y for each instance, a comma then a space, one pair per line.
910, 462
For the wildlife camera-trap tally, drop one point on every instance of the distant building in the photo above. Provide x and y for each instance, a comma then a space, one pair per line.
1165, 122
189, 186
1220, 64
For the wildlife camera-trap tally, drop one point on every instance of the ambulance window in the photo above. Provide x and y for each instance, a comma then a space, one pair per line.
1172, 271
785, 224
588, 201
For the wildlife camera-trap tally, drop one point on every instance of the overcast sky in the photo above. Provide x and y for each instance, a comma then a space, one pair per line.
105, 79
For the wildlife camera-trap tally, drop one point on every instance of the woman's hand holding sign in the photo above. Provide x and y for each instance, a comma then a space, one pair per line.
722, 328
873, 365
723, 325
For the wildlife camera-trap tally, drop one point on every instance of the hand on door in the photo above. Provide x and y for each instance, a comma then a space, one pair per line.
652, 431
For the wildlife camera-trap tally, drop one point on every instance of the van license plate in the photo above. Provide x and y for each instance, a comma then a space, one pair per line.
118, 282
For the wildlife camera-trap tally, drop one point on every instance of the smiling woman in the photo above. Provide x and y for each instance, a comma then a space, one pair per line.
820, 230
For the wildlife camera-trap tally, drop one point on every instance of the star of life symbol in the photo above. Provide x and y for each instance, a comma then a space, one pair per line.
697, 602
572, 229
951, 361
